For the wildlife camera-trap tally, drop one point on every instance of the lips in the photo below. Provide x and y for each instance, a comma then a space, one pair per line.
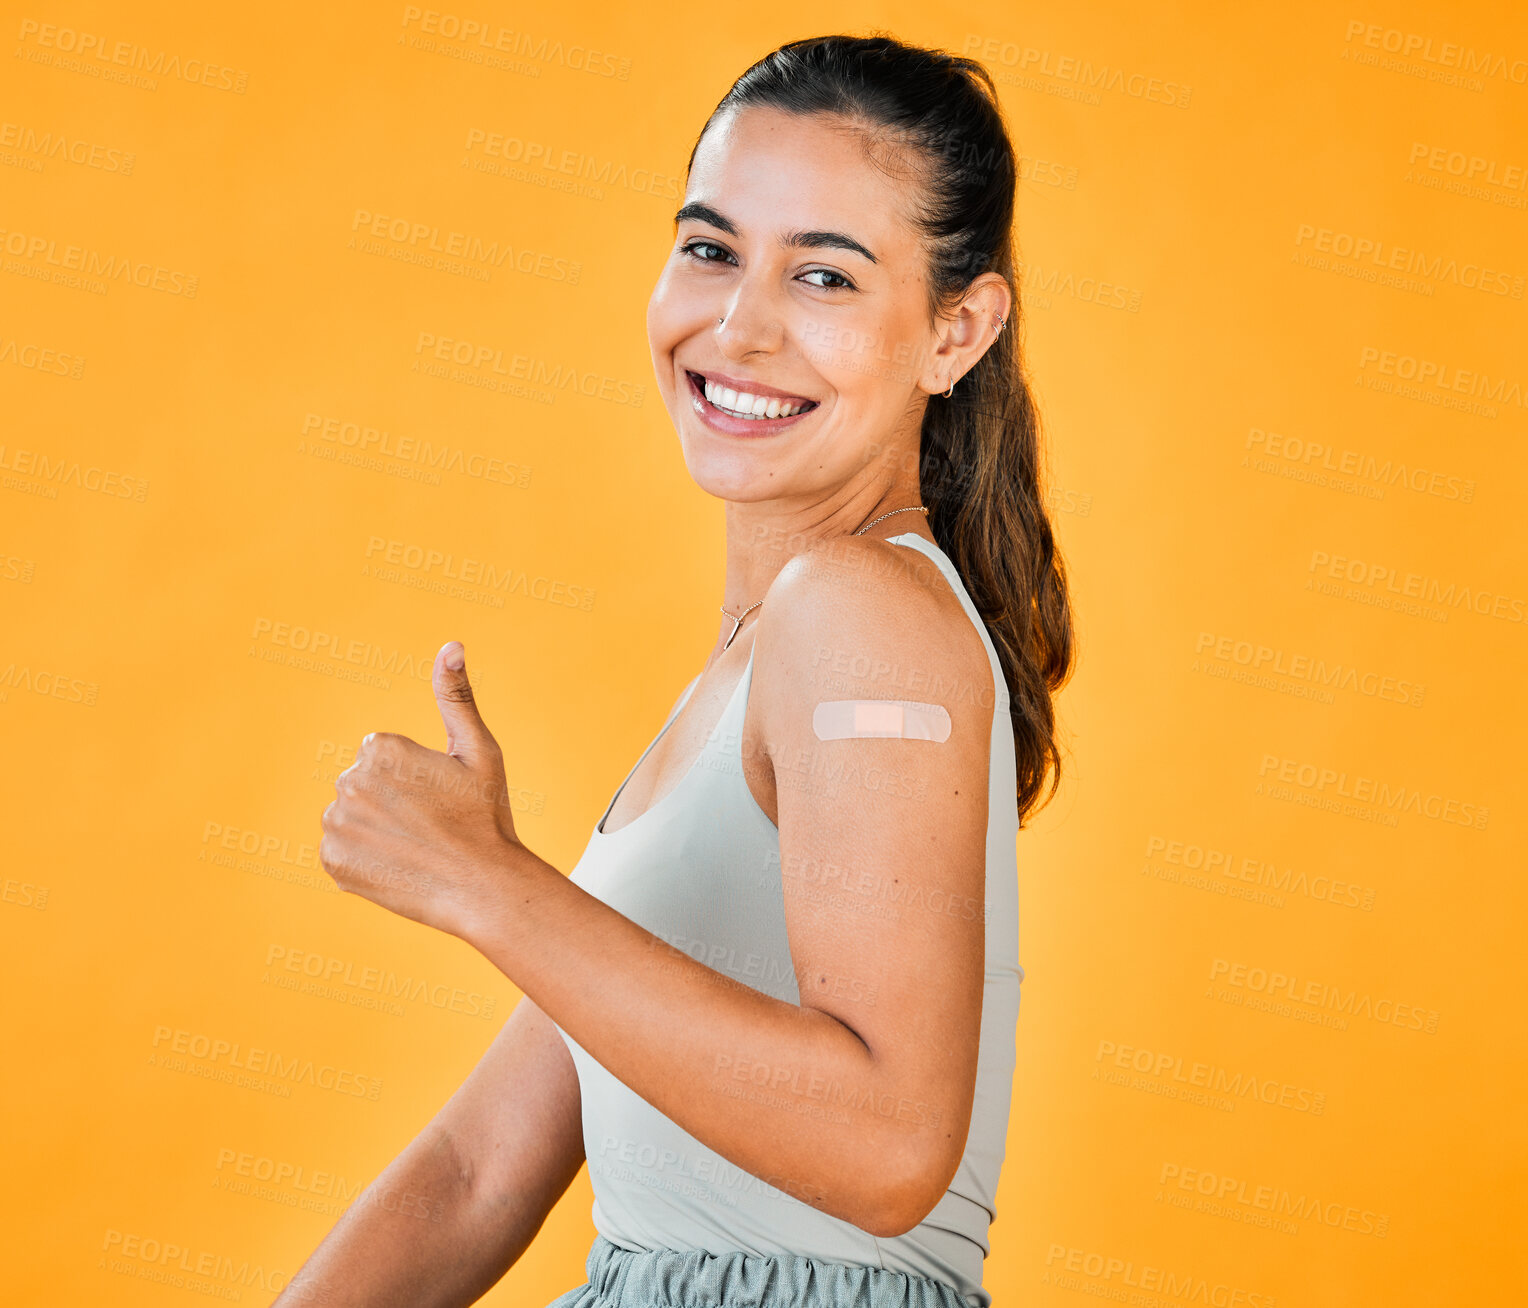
730, 424
744, 386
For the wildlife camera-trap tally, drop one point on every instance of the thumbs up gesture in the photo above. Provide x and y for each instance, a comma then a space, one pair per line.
425, 834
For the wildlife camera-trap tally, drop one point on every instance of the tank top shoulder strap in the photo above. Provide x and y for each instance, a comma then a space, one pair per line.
946, 565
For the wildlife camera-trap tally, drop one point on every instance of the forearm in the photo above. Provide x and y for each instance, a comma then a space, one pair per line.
787, 1093
418, 1235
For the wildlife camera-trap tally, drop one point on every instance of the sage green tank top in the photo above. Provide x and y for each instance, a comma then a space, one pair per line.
701, 869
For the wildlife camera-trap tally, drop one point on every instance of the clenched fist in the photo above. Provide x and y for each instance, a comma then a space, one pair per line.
425, 834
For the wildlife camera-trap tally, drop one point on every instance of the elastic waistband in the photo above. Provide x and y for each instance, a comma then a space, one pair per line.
672, 1278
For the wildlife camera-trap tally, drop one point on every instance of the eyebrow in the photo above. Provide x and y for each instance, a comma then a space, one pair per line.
807, 240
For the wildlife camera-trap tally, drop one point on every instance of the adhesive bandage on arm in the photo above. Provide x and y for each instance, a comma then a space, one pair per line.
879, 719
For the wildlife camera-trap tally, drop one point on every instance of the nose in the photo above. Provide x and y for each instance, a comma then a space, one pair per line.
748, 324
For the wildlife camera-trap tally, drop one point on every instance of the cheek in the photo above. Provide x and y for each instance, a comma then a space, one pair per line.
655, 322
865, 361
660, 344
667, 314
859, 388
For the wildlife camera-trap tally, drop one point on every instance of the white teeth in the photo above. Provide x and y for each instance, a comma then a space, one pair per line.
742, 404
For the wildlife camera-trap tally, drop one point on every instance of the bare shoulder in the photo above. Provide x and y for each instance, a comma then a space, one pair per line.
871, 619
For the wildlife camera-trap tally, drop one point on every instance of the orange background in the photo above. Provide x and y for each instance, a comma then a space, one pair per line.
1267, 459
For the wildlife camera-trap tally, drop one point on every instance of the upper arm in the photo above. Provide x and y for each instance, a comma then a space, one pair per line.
515, 1125
894, 830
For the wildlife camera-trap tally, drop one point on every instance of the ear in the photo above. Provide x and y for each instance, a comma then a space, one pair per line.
968, 331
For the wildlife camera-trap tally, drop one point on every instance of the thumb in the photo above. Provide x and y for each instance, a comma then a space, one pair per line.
467, 735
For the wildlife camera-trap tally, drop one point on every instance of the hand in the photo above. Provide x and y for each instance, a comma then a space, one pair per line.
426, 835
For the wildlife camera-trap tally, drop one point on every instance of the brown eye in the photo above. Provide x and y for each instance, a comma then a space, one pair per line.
828, 272
702, 245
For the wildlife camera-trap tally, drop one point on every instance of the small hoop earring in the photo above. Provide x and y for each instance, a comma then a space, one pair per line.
951, 391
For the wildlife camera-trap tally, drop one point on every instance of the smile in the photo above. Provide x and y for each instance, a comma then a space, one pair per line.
741, 412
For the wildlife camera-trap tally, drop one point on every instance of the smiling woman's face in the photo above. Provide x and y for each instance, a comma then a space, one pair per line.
822, 323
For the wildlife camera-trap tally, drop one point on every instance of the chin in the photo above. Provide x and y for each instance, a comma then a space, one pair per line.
729, 473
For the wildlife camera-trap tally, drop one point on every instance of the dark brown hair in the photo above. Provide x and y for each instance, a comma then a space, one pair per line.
979, 462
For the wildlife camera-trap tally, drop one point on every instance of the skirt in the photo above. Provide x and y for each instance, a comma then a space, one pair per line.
670, 1278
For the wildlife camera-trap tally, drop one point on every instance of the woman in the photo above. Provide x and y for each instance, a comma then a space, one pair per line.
773, 1006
